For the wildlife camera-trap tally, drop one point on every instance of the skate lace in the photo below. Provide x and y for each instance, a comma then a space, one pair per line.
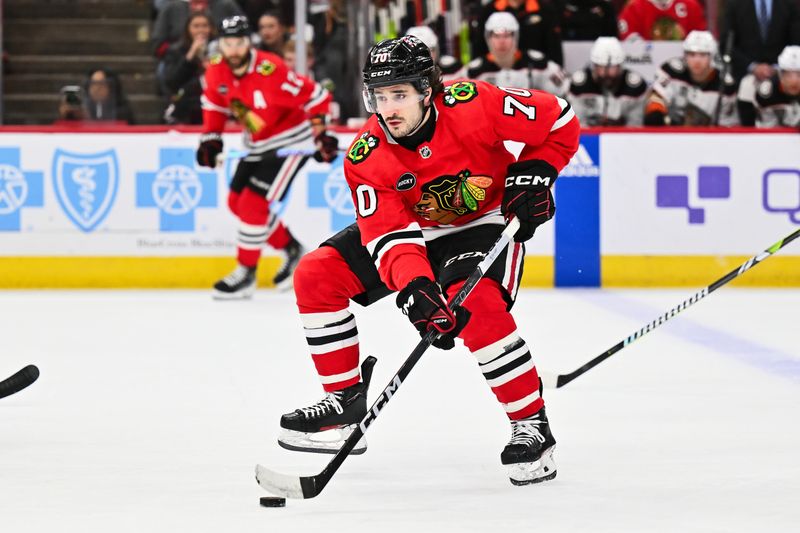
526, 432
237, 275
324, 406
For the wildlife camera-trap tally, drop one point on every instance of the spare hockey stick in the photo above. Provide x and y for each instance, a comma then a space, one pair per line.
19, 381
291, 486
558, 381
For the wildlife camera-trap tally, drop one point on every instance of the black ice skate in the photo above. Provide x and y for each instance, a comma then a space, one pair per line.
283, 278
324, 426
529, 454
239, 284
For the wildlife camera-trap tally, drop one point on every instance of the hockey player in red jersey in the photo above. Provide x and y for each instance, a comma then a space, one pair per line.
277, 109
433, 186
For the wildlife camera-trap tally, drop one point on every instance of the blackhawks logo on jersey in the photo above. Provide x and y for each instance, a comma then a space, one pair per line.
460, 93
265, 68
362, 147
216, 59
448, 197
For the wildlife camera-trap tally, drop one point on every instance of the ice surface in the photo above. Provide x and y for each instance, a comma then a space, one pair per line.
153, 408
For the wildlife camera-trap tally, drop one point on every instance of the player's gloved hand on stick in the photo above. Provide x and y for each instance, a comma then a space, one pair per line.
327, 147
424, 305
210, 147
527, 195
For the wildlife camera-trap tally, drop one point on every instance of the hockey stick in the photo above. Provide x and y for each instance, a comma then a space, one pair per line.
558, 381
291, 486
19, 381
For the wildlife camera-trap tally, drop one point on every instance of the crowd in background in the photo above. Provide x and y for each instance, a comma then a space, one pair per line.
508, 42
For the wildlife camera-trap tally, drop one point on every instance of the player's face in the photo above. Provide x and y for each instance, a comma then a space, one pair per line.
235, 50
400, 107
699, 64
501, 43
790, 82
606, 75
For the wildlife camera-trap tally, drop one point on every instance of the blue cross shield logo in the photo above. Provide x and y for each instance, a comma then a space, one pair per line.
18, 189
176, 189
86, 185
329, 190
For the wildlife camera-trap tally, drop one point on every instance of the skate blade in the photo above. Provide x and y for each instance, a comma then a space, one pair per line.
328, 441
244, 294
285, 285
536, 472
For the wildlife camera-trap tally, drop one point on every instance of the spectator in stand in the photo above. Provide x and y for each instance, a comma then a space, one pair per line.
505, 65
105, 99
253, 9
539, 24
449, 65
171, 21
586, 20
661, 20
330, 65
690, 91
761, 29
271, 33
184, 65
70, 104
605, 93
777, 100
289, 54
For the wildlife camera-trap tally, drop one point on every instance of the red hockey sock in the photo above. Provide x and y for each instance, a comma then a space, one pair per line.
323, 285
503, 357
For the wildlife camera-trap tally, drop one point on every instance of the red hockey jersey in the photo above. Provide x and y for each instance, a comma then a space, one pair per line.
271, 102
661, 20
404, 197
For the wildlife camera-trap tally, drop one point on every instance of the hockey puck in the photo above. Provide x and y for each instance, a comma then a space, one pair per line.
272, 501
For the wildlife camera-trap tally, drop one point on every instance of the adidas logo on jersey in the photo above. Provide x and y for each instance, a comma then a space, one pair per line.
581, 165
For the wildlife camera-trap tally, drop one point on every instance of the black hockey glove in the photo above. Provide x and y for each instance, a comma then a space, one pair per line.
327, 147
527, 196
210, 147
424, 305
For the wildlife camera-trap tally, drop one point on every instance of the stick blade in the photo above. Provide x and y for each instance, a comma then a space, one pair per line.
281, 484
549, 380
22, 379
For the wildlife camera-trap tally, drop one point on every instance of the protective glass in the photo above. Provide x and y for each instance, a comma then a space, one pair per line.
388, 99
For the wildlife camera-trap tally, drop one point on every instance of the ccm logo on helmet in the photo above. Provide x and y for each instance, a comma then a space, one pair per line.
379, 73
527, 181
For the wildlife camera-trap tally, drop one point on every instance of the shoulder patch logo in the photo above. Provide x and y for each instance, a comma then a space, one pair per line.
362, 147
216, 59
265, 68
460, 93
406, 182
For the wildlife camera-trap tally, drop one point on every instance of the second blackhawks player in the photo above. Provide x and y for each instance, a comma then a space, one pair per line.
433, 187
277, 109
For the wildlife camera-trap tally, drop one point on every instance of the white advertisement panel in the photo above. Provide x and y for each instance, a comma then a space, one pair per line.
698, 193
140, 194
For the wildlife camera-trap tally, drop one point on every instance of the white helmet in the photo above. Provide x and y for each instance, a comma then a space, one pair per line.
501, 21
789, 58
426, 35
700, 41
607, 51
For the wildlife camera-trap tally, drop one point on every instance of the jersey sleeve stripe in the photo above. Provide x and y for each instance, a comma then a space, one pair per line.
211, 106
317, 97
567, 114
409, 235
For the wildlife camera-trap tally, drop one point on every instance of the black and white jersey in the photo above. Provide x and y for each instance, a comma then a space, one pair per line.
531, 70
775, 108
595, 105
690, 103
451, 68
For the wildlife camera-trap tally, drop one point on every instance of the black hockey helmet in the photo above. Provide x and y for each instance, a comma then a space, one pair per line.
235, 26
402, 60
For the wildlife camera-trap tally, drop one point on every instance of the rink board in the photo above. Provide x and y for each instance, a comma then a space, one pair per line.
130, 208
